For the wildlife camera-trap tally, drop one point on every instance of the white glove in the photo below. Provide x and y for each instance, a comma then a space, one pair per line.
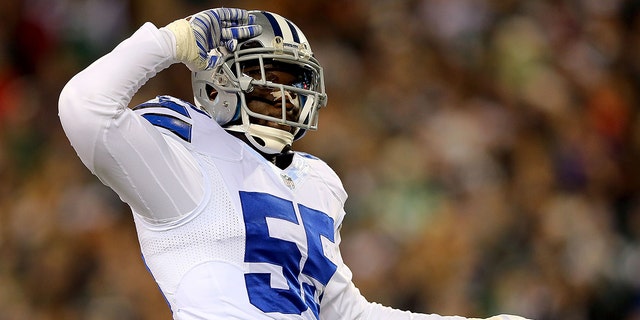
202, 38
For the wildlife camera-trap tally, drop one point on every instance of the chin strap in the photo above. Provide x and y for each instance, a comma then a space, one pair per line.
265, 139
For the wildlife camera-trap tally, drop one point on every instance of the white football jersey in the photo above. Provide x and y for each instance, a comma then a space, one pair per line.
261, 245
225, 233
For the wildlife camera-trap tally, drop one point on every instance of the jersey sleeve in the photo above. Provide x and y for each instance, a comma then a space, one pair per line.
343, 300
154, 174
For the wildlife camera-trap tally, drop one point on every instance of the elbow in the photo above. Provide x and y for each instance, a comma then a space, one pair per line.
80, 103
70, 111
77, 124
74, 108
65, 101
76, 112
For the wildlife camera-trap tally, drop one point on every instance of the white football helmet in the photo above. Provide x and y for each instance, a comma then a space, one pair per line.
281, 43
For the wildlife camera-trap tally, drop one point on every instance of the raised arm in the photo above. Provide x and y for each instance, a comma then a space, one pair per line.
121, 148
154, 175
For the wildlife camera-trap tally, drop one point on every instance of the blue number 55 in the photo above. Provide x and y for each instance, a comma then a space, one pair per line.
306, 279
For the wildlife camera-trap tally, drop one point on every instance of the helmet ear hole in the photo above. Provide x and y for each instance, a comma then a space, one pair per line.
211, 92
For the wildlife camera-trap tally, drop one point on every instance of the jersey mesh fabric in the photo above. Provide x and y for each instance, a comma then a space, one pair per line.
215, 233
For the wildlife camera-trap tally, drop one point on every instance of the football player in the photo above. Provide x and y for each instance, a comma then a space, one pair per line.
232, 223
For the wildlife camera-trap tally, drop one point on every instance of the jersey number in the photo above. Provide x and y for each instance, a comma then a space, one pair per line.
285, 277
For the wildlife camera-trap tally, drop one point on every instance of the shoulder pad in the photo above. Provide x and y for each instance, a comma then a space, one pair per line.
170, 114
324, 172
308, 156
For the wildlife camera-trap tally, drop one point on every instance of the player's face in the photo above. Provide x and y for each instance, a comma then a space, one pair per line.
269, 101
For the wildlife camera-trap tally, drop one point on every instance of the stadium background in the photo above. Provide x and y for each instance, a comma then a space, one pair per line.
490, 148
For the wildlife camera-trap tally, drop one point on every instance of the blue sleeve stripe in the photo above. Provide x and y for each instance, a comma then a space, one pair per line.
308, 156
165, 104
194, 108
179, 127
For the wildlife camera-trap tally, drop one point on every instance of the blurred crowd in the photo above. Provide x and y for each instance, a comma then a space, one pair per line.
490, 148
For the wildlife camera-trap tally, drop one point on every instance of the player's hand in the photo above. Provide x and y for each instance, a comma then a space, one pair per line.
204, 37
